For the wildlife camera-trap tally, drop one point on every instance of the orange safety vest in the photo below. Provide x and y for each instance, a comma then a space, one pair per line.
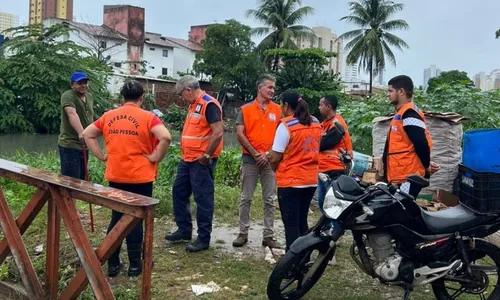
197, 132
127, 135
329, 160
299, 166
260, 127
402, 160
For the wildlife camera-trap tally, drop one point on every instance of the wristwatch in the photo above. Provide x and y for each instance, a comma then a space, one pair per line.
207, 156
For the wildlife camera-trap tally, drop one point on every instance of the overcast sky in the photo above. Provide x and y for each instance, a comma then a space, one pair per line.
452, 34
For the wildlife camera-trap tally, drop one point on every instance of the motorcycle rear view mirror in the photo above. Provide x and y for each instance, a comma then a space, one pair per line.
418, 180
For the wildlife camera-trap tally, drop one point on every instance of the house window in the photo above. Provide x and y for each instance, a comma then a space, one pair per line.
151, 67
103, 45
164, 71
165, 53
152, 49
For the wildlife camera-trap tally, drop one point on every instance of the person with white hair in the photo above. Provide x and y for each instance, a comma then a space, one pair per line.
201, 145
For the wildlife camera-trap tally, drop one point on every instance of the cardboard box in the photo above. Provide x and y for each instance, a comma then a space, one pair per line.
431, 205
445, 197
370, 176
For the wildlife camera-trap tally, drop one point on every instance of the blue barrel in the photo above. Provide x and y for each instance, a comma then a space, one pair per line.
361, 163
482, 150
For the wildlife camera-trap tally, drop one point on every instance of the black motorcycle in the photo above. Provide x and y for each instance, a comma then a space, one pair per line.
395, 241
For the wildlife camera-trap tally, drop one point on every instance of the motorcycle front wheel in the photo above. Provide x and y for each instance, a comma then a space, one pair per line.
295, 274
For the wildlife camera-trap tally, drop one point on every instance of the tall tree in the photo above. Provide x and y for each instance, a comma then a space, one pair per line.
305, 70
229, 57
280, 19
371, 43
450, 78
36, 71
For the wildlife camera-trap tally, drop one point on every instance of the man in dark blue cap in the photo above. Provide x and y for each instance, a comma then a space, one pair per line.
77, 113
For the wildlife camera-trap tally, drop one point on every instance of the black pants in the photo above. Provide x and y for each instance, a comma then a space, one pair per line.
135, 237
72, 162
294, 206
197, 179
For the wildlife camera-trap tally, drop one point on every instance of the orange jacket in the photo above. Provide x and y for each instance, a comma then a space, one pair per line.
299, 165
329, 160
127, 134
402, 160
260, 127
197, 132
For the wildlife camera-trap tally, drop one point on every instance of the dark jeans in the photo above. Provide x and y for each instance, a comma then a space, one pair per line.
197, 179
294, 206
323, 186
72, 162
135, 237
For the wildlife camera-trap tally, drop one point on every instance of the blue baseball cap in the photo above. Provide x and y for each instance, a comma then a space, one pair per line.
78, 76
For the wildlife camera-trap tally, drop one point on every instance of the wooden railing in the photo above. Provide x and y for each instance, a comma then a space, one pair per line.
59, 192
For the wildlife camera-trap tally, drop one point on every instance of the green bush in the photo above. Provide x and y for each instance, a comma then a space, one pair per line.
174, 117
227, 173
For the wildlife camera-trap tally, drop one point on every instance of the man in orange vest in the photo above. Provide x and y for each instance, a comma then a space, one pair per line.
201, 145
256, 126
331, 141
409, 143
136, 141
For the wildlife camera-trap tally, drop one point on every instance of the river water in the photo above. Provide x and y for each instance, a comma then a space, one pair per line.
31, 143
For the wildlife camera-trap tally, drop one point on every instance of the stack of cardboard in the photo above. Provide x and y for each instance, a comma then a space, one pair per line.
441, 199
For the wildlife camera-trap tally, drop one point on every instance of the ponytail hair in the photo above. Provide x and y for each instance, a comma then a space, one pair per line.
301, 110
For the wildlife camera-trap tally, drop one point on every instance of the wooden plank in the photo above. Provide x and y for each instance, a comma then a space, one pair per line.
21, 257
85, 252
25, 219
112, 241
148, 255
52, 258
43, 178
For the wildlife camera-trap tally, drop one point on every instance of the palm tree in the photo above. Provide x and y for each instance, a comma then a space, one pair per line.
371, 43
281, 18
497, 34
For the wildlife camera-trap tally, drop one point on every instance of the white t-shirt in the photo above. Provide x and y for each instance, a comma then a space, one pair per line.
281, 140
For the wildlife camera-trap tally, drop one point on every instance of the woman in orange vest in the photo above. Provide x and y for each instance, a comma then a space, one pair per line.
136, 141
294, 156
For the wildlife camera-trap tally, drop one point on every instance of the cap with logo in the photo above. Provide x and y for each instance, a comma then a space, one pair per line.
78, 76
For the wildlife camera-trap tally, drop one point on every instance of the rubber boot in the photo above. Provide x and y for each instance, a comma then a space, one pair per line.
135, 259
114, 264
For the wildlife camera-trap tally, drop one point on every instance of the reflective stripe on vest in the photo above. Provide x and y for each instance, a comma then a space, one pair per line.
329, 160
402, 160
299, 165
196, 133
260, 126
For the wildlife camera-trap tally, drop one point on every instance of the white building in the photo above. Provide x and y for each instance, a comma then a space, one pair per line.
488, 82
165, 56
7, 21
430, 73
327, 40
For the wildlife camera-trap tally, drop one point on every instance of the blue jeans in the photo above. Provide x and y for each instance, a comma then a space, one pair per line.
323, 186
72, 162
197, 179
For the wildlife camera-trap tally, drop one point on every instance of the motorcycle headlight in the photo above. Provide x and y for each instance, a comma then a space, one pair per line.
333, 207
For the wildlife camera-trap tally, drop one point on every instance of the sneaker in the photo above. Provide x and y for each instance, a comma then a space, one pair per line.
197, 246
114, 270
269, 242
178, 236
241, 240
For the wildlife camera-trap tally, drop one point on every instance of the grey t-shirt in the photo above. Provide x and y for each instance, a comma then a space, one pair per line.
247, 159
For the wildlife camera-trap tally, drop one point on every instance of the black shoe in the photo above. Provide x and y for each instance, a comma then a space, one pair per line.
197, 246
178, 236
135, 259
114, 270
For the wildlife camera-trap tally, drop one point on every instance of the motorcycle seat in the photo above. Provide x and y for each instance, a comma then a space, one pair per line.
452, 219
